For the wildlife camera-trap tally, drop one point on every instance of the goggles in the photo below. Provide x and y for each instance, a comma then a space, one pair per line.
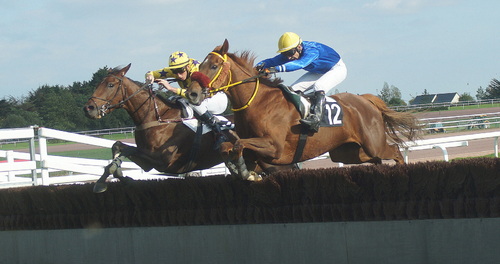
289, 53
178, 70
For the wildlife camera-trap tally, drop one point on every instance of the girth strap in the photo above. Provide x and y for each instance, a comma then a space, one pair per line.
301, 144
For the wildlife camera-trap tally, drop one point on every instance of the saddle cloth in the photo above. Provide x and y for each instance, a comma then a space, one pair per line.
332, 113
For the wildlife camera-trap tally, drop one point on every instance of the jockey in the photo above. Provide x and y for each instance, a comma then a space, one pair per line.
324, 66
181, 67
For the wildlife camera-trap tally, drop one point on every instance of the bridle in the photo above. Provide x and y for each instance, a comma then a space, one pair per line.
225, 88
103, 110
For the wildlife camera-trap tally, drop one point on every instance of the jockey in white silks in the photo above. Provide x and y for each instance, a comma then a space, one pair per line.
181, 67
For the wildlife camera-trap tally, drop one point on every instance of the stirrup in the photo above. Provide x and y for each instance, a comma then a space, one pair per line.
312, 122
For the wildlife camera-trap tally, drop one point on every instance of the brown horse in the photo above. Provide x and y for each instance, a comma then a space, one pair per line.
269, 126
163, 142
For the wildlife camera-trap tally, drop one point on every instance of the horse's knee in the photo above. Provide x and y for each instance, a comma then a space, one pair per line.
238, 148
116, 146
226, 148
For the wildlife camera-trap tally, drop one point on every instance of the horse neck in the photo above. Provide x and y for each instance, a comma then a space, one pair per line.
241, 94
144, 107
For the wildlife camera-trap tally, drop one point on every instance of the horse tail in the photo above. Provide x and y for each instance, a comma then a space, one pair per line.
397, 124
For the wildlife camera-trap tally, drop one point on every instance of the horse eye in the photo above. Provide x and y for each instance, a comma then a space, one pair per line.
214, 67
110, 85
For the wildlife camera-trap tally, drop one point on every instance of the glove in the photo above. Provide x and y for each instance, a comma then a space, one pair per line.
149, 78
268, 71
272, 70
260, 67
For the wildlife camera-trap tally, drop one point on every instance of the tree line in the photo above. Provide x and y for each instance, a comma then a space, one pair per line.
60, 107
391, 95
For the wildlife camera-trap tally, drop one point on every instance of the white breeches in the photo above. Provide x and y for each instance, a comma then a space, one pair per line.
311, 82
216, 104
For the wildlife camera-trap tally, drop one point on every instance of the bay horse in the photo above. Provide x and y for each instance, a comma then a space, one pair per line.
268, 124
163, 142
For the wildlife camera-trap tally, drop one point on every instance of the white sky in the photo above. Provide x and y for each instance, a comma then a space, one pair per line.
437, 45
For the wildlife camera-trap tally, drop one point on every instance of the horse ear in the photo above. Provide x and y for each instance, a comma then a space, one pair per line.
125, 70
225, 47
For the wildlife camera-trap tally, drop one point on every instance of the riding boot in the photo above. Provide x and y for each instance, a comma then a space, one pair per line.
210, 120
314, 119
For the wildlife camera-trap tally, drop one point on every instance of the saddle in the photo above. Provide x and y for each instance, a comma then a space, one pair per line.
182, 103
332, 114
225, 124
188, 115
300, 102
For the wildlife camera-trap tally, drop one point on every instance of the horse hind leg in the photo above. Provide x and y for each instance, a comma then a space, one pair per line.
396, 153
392, 152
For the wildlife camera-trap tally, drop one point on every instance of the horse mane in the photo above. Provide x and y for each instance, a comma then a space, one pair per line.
246, 60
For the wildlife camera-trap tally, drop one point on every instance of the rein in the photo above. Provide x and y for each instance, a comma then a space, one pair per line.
105, 107
229, 84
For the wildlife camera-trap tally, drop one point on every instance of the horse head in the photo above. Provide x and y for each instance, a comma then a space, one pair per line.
212, 74
109, 94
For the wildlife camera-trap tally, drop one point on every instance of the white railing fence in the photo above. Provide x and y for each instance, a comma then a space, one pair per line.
24, 169
462, 122
16, 167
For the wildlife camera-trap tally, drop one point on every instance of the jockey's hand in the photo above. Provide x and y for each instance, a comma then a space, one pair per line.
150, 78
165, 84
268, 71
259, 67
272, 70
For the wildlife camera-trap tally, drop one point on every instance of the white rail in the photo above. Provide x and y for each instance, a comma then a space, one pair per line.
17, 165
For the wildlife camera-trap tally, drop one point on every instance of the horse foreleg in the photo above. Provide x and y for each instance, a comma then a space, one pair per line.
112, 168
263, 147
236, 163
245, 173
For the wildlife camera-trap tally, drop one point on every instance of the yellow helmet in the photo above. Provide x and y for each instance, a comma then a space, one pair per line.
178, 59
288, 41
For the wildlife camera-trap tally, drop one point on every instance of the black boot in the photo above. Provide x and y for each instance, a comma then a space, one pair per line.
314, 119
213, 123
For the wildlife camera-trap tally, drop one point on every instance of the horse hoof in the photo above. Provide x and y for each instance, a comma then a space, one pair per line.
254, 177
100, 187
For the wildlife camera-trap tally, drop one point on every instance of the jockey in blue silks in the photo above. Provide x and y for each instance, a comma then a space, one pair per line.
324, 66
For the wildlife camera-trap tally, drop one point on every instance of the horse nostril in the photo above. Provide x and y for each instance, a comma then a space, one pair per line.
193, 95
88, 108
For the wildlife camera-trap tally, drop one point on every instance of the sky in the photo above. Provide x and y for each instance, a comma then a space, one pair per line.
438, 46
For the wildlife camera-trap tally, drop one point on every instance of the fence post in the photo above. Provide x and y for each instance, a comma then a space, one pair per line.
405, 155
496, 147
34, 175
42, 141
10, 159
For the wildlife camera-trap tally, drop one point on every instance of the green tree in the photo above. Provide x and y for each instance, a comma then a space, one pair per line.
493, 89
481, 93
391, 95
466, 97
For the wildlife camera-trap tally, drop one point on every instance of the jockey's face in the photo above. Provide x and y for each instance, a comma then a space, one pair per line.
294, 53
181, 73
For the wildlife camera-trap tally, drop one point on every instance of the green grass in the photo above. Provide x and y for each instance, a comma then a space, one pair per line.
101, 153
53, 142
474, 106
